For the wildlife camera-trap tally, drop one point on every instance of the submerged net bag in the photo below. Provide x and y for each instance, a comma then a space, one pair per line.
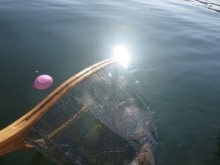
100, 121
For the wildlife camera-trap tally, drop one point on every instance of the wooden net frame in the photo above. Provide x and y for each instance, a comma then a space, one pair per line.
12, 137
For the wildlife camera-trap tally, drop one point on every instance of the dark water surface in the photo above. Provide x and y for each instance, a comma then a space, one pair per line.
175, 58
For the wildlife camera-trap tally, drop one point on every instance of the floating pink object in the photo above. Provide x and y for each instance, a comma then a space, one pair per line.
43, 82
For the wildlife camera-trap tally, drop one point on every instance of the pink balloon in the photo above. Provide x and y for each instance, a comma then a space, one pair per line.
43, 82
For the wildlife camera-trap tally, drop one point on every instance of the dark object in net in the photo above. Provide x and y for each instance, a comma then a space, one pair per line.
101, 121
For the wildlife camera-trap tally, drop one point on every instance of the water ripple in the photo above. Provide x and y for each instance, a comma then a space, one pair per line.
206, 4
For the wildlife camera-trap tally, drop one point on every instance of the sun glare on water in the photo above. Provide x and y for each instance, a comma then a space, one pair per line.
121, 54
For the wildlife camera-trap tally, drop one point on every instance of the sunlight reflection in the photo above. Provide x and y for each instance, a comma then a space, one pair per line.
122, 55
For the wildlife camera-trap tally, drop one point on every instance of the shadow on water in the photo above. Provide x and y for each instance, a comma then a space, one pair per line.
37, 159
1, 161
217, 153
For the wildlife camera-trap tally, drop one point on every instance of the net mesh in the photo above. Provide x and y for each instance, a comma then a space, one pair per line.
100, 121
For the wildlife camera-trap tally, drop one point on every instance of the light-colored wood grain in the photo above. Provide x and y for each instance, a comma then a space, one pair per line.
12, 137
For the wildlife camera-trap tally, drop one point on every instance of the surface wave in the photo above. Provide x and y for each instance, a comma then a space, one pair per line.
206, 4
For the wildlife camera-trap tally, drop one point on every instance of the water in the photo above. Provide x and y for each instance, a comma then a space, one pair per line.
174, 48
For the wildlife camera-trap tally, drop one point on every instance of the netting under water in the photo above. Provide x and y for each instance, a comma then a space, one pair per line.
100, 121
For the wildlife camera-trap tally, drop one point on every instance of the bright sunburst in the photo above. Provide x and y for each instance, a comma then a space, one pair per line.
122, 55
